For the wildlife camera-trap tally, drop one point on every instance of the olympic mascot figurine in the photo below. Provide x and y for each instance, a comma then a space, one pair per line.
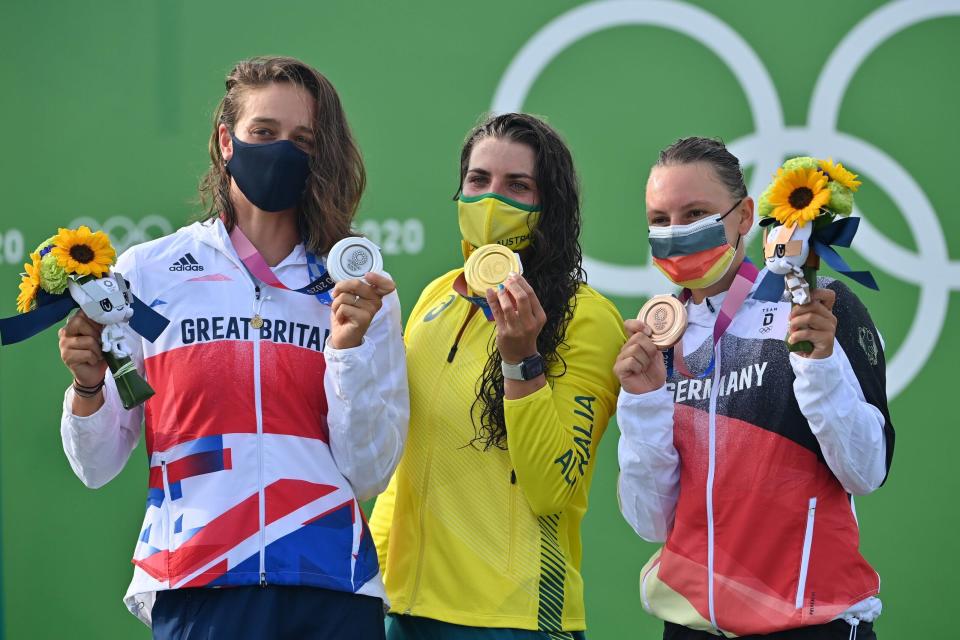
786, 250
72, 269
805, 213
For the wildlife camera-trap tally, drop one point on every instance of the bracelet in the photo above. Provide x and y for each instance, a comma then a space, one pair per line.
87, 392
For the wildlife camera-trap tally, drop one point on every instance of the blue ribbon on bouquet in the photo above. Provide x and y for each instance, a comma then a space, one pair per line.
52, 308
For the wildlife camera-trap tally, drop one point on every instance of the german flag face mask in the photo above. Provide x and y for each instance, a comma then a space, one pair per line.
696, 255
491, 218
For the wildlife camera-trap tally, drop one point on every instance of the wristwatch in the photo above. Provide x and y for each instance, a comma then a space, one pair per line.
526, 369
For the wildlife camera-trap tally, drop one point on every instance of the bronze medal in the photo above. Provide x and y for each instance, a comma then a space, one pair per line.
667, 318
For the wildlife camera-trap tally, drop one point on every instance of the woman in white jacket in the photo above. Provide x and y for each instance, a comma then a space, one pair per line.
277, 409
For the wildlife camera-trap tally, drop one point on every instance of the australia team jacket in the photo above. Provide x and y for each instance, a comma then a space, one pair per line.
492, 538
260, 441
748, 474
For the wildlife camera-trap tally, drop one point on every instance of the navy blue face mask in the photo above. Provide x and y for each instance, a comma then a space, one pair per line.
272, 176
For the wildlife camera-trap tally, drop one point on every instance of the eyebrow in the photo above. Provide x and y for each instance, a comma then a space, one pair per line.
696, 204
276, 123
484, 172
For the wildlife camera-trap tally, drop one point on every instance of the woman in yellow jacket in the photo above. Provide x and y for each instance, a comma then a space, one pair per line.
479, 530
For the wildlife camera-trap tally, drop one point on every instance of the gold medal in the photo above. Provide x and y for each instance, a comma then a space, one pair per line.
256, 321
489, 266
667, 318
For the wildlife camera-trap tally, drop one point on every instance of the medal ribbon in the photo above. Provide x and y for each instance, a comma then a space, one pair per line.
738, 293
320, 286
460, 287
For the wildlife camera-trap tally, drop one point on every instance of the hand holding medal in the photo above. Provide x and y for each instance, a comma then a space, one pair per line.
666, 317
659, 325
356, 266
496, 272
351, 284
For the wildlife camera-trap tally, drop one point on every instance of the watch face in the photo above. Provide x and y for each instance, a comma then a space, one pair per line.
532, 367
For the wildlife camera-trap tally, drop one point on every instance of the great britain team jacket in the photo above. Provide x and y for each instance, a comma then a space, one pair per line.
260, 441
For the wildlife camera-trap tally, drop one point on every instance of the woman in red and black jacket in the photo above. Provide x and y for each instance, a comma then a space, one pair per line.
745, 457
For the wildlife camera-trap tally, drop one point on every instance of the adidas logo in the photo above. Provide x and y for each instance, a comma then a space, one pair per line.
186, 263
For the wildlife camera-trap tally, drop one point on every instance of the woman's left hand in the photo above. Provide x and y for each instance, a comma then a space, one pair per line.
816, 323
355, 302
519, 318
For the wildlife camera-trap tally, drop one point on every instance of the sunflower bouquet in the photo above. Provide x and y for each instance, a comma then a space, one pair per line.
805, 211
73, 268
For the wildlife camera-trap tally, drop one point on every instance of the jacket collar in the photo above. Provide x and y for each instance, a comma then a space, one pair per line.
214, 234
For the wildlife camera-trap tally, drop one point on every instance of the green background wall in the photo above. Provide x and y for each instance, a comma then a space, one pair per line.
105, 115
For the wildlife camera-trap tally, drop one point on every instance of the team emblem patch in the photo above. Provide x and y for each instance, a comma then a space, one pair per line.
869, 345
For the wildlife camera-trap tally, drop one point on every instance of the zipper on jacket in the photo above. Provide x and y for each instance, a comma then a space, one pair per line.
463, 327
255, 323
512, 523
711, 470
805, 556
429, 463
258, 410
168, 498
643, 586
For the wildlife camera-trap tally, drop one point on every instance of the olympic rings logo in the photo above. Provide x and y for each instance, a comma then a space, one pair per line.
773, 141
124, 232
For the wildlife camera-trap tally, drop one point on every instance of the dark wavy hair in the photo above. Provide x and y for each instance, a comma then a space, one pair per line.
552, 264
337, 177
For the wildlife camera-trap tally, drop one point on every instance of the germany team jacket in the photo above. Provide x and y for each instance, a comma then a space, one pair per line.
748, 474
260, 441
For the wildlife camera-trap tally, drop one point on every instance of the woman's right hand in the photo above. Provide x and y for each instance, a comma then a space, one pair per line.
80, 350
640, 364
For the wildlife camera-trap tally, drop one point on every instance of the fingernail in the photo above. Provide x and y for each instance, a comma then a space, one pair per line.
512, 274
500, 287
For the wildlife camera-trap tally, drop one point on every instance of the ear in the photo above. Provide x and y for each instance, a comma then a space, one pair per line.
226, 143
745, 211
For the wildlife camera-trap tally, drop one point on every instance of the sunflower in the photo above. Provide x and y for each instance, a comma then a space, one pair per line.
29, 284
837, 172
798, 195
82, 252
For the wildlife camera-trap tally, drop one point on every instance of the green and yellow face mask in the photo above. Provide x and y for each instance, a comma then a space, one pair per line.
492, 218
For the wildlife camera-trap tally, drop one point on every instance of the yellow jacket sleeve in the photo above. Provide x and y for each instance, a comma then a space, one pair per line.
553, 433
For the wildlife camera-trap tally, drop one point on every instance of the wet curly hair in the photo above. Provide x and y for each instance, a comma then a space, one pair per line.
552, 263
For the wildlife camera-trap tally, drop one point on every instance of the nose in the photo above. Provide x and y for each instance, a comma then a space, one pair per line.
498, 185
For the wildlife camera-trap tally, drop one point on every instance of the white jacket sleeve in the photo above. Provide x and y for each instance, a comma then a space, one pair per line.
649, 482
849, 429
99, 445
368, 403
